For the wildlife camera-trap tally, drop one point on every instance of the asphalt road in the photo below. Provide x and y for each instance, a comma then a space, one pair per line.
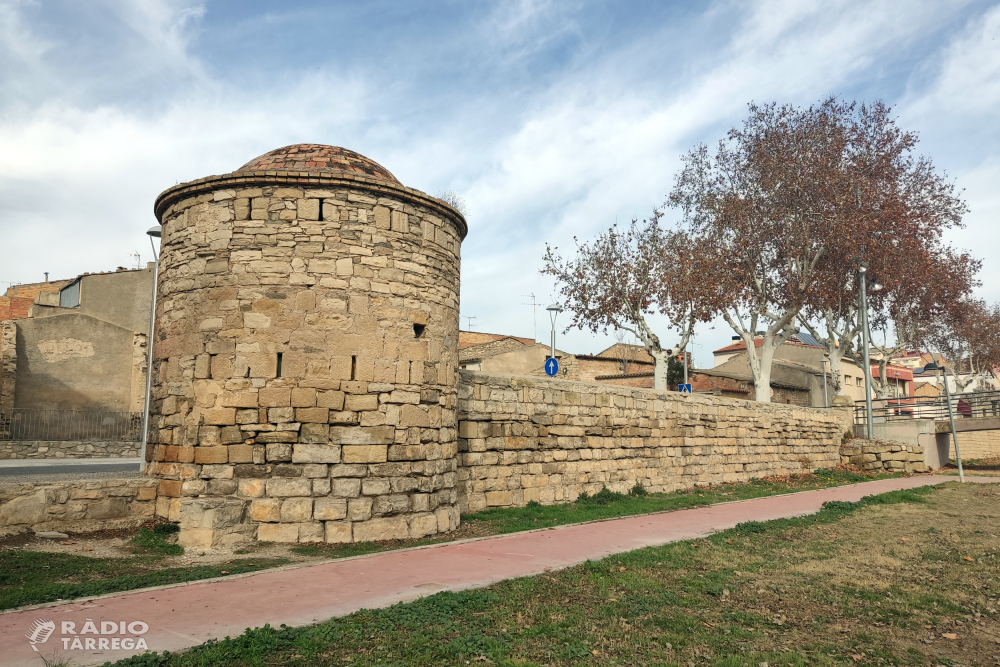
27, 470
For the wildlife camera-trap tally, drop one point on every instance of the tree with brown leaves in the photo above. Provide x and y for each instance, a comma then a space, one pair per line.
790, 205
969, 338
622, 277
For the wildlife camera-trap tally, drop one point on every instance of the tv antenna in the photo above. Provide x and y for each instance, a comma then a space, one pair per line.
534, 314
138, 258
470, 322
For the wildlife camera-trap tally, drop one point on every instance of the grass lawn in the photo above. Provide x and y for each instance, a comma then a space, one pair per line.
31, 577
905, 578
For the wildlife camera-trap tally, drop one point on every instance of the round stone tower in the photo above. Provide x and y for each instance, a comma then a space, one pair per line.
305, 353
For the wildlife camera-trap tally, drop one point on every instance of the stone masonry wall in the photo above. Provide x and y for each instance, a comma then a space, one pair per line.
882, 455
52, 449
524, 439
76, 506
304, 362
8, 363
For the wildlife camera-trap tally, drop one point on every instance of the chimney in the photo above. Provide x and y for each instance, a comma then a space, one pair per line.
46, 276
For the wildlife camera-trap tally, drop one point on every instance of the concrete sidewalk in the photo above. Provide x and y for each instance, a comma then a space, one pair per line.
186, 615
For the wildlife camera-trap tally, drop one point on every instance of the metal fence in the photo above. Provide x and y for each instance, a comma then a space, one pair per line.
972, 404
92, 425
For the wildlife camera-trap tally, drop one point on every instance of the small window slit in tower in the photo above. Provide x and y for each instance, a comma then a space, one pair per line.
354, 365
321, 209
279, 365
418, 330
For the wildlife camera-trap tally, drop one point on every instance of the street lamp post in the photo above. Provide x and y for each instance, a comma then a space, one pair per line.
153, 233
865, 337
826, 396
951, 414
554, 311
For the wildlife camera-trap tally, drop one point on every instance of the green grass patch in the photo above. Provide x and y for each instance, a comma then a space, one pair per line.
32, 577
737, 598
156, 540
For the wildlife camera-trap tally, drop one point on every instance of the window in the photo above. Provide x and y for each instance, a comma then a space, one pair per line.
69, 296
858, 381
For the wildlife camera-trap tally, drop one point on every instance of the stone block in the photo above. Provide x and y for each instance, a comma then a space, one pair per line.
344, 470
303, 398
280, 415
296, 510
313, 453
278, 532
314, 470
26, 510
211, 454
499, 498
284, 487
321, 487
278, 451
217, 471
375, 486
268, 437
315, 433
267, 509
240, 453
365, 453
146, 493
311, 532
230, 435
330, 509
422, 525
312, 415
338, 532
220, 416
358, 435
376, 530
274, 397
170, 488
361, 402
334, 400
359, 509
250, 488
346, 487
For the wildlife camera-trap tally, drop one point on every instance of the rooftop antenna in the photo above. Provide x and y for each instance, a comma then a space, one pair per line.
534, 313
470, 322
138, 258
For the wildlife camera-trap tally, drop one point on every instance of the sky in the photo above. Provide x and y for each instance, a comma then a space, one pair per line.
553, 120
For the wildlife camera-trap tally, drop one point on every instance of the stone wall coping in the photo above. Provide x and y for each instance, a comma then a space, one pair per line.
208, 184
469, 378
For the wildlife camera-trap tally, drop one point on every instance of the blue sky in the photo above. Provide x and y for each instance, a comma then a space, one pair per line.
552, 119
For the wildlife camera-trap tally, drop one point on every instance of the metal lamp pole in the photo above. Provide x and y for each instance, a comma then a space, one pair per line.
865, 337
554, 311
153, 233
951, 415
826, 396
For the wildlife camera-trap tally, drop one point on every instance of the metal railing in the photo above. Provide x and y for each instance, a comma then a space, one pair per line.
91, 425
972, 404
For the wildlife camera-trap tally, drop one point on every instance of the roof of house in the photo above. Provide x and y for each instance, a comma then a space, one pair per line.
637, 353
318, 158
737, 346
470, 338
492, 348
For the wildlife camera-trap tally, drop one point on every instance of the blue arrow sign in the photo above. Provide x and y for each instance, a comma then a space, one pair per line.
684, 388
551, 366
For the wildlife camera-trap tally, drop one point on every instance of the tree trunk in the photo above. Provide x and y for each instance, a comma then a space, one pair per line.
762, 387
836, 372
660, 359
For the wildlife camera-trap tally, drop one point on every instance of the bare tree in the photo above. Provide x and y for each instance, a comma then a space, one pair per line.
792, 203
624, 276
969, 337
627, 351
455, 200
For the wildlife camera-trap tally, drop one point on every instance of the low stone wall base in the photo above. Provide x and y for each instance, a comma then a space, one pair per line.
69, 449
82, 506
880, 455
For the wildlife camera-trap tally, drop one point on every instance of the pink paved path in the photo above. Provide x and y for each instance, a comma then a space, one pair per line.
190, 614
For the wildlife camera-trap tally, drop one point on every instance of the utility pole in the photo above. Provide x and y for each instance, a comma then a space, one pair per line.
534, 315
865, 338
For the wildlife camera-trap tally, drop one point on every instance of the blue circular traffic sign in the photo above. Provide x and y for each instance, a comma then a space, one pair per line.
551, 366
